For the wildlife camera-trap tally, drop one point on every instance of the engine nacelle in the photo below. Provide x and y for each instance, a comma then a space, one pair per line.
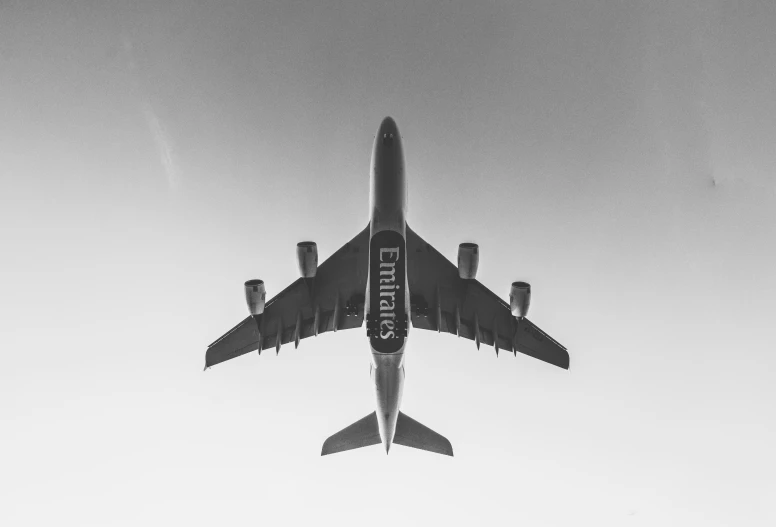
520, 298
254, 296
307, 256
468, 260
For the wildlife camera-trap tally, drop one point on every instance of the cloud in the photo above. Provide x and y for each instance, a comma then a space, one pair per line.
164, 146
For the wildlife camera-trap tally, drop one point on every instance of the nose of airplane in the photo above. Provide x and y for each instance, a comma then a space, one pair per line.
388, 128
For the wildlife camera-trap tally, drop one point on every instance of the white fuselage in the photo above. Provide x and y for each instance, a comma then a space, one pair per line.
387, 299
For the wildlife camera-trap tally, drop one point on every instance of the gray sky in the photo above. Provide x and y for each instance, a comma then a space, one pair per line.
618, 155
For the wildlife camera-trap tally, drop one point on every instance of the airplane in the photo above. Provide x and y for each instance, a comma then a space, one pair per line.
389, 276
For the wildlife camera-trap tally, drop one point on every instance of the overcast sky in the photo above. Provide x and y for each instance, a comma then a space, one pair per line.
617, 155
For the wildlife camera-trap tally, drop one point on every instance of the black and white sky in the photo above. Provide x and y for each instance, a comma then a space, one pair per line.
619, 155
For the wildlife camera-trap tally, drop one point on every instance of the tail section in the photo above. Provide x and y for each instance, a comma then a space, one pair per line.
409, 432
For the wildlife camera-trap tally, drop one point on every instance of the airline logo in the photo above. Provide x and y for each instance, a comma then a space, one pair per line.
388, 319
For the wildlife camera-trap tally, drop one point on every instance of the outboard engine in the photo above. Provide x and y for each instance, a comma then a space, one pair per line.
468, 260
307, 256
254, 296
520, 299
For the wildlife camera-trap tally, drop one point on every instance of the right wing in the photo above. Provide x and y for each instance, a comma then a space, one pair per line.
442, 301
333, 300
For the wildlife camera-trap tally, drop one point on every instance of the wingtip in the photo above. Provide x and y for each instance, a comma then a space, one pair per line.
564, 361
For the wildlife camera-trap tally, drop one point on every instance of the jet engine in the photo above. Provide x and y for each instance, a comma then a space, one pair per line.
307, 255
520, 299
468, 260
254, 296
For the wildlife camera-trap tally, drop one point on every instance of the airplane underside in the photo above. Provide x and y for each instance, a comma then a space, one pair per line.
392, 279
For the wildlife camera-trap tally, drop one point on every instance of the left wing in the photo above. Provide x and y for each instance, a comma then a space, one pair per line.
333, 300
442, 301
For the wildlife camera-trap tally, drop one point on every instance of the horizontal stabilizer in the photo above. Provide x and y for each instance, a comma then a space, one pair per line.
411, 433
363, 432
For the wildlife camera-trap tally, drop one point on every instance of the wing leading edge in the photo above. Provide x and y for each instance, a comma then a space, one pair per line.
333, 301
442, 301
